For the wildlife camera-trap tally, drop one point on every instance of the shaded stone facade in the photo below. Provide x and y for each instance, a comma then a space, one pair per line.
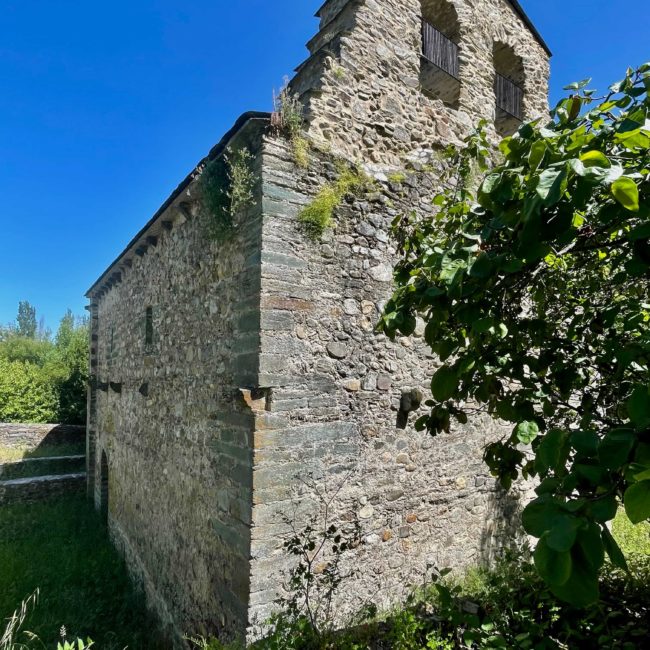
234, 380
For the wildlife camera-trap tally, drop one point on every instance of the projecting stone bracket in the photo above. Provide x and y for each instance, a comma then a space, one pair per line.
411, 401
258, 400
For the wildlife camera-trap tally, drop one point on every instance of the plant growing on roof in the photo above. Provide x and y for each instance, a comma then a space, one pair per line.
536, 298
227, 185
289, 122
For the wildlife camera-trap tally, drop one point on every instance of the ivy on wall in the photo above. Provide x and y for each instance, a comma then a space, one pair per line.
227, 187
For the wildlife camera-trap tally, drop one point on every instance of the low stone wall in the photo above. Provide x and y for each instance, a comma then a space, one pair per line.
28, 490
49, 466
31, 436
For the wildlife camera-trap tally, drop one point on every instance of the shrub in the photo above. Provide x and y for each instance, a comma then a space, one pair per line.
227, 185
317, 217
27, 393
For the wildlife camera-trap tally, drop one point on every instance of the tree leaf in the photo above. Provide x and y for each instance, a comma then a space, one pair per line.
615, 448
540, 515
613, 550
526, 432
563, 534
585, 443
604, 509
554, 567
595, 158
637, 502
626, 192
550, 186
444, 384
638, 407
552, 451
581, 589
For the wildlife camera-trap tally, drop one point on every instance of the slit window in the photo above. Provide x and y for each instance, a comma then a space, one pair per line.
148, 327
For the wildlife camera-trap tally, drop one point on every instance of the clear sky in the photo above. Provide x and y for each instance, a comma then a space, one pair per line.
106, 106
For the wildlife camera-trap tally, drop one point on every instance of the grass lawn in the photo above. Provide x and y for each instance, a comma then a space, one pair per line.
61, 548
13, 454
631, 538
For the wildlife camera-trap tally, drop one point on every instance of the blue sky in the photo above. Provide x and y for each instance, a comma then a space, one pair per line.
105, 107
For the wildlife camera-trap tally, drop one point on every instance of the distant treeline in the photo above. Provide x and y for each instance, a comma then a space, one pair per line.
43, 377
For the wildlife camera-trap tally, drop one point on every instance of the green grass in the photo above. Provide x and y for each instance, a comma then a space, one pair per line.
632, 539
62, 549
13, 454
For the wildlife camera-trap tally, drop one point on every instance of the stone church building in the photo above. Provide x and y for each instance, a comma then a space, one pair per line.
237, 382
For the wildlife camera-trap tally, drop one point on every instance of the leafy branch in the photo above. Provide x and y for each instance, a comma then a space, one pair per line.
536, 294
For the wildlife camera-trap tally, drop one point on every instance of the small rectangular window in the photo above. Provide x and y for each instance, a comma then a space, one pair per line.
111, 346
148, 327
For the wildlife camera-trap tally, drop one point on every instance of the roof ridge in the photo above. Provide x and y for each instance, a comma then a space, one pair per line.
515, 5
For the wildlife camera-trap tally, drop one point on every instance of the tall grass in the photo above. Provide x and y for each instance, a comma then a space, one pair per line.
61, 549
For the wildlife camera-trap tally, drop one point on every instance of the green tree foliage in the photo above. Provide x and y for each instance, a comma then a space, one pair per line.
26, 350
26, 320
536, 297
27, 393
43, 380
69, 366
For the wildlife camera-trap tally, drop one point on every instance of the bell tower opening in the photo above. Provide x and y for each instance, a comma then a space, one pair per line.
440, 60
509, 80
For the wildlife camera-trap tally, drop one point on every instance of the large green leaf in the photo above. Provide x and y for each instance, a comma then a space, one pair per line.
540, 515
626, 192
638, 407
613, 550
551, 184
554, 567
637, 502
526, 432
585, 443
616, 447
604, 509
595, 158
581, 589
552, 451
562, 535
444, 384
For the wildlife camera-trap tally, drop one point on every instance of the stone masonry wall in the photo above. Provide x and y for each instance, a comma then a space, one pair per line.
30, 490
31, 436
334, 389
172, 418
362, 89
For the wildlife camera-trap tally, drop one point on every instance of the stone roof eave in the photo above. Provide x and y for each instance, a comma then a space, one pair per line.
144, 233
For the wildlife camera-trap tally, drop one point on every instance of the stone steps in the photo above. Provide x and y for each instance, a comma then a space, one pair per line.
46, 466
26, 490
49, 461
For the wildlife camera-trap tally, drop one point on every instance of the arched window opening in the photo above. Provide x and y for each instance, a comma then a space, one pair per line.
440, 61
103, 494
508, 89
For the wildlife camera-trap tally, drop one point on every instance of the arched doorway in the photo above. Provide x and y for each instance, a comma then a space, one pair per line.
103, 488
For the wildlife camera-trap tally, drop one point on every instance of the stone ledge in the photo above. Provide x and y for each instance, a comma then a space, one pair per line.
26, 490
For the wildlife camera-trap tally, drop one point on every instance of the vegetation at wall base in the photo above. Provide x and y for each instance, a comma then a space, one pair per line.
506, 607
61, 548
535, 291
